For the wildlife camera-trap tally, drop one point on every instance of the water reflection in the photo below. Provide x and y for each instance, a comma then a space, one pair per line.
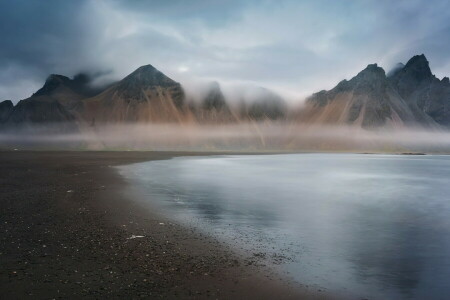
372, 226
392, 254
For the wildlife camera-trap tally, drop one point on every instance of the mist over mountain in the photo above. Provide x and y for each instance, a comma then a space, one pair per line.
263, 104
211, 107
398, 67
409, 96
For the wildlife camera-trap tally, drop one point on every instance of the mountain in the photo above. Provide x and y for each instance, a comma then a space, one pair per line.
410, 96
263, 104
66, 91
212, 107
6, 108
56, 102
214, 99
39, 111
424, 93
146, 95
366, 100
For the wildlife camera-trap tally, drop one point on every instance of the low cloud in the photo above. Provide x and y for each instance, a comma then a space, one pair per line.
253, 137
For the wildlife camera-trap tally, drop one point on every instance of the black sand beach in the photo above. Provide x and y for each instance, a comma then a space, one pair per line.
66, 228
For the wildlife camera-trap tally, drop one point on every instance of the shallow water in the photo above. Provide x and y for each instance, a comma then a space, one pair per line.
374, 226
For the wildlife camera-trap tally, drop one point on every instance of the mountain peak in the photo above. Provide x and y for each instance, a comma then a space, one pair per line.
373, 68
141, 79
145, 69
57, 77
80, 84
420, 58
6, 104
51, 83
418, 66
149, 75
370, 74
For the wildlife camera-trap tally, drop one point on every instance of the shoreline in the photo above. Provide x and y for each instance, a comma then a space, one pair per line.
69, 231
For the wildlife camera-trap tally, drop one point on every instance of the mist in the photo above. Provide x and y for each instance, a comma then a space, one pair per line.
245, 137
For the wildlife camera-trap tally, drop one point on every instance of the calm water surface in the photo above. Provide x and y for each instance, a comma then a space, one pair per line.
374, 226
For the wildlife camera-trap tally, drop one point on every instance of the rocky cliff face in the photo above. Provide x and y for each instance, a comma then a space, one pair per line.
68, 92
427, 96
6, 108
146, 95
410, 95
28, 113
56, 102
367, 100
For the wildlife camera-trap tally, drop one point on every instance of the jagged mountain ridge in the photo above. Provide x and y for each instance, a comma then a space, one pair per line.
56, 102
410, 96
144, 96
424, 93
366, 100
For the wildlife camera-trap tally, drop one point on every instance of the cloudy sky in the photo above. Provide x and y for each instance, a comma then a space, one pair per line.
294, 47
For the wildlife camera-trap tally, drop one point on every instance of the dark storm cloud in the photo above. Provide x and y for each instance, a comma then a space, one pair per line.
38, 38
291, 46
31, 30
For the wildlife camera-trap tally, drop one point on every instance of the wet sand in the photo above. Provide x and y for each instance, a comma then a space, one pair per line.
66, 233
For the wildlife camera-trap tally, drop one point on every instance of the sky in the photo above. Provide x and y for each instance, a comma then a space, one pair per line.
294, 47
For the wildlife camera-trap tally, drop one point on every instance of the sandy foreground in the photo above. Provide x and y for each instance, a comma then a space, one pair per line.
65, 233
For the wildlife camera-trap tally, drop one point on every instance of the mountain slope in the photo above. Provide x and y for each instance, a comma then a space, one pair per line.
39, 111
367, 100
56, 102
146, 95
262, 105
410, 95
6, 108
212, 108
427, 96
68, 92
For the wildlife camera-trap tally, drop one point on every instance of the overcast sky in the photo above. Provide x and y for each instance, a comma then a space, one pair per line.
294, 47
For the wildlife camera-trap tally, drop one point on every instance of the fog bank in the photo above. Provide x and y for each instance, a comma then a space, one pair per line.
236, 137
